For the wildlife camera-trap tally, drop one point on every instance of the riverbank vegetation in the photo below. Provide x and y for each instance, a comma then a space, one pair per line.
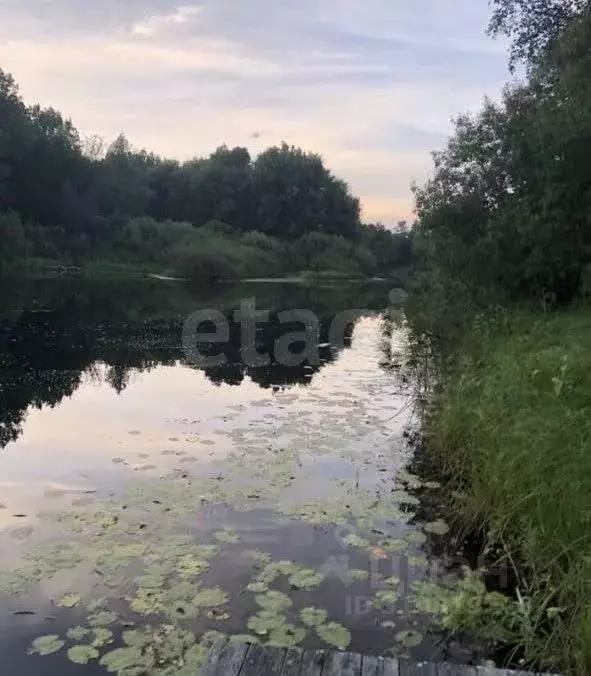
73, 200
504, 238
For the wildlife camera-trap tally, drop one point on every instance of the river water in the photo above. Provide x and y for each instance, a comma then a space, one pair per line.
144, 492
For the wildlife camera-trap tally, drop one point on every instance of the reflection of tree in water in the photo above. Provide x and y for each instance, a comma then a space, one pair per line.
51, 335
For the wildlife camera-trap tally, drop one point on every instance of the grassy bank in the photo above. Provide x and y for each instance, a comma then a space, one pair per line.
511, 427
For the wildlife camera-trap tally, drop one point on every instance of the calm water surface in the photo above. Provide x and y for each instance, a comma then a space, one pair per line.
120, 460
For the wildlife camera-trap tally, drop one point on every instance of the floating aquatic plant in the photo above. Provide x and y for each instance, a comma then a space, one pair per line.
69, 601
409, 638
436, 528
313, 617
82, 654
275, 601
334, 634
46, 645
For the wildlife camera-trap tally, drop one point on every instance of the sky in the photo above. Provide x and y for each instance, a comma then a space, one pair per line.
371, 85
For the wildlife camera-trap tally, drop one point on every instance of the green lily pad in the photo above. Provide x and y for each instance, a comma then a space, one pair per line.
358, 575
256, 555
209, 598
263, 623
334, 634
102, 618
385, 598
69, 601
257, 587
137, 638
46, 645
305, 578
102, 637
78, 633
416, 537
409, 639
312, 617
392, 581
126, 661
436, 528
82, 654
356, 541
227, 535
286, 635
394, 545
274, 600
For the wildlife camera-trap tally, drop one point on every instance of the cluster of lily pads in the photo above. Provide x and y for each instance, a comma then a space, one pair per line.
145, 567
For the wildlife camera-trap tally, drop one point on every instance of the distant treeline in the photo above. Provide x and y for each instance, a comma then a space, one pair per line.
507, 214
65, 198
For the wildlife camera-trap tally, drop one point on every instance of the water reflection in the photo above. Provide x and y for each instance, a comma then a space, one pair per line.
54, 334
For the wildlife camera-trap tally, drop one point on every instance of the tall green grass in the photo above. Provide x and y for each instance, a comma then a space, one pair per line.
511, 426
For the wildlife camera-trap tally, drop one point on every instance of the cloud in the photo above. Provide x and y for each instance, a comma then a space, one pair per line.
153, 25
372, 90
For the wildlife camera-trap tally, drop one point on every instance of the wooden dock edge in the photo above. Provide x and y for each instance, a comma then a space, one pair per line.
233, 658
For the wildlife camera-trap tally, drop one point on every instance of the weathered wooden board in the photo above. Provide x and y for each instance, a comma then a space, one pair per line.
230, 658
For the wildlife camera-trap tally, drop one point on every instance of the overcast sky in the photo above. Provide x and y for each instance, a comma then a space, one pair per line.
370, 84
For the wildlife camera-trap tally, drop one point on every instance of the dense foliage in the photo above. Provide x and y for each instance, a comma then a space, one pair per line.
229, 214
507, 211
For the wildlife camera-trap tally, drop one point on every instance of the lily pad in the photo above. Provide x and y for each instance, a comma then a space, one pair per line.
257, 587
286, 635
209, 598
78, 633
256, 555
416, 537
102, 637
356, 541
274, 600
228, 536
313, 617
69, 601
392, 581
334, 634
82, 654
394, 545
385, 598
263, 623
127, 661
102, 618
436, 528
46, 645
358, 575
137, 638
409, 639
305, 578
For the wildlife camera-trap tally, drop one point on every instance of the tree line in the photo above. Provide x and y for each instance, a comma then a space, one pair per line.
507, 212
73, 199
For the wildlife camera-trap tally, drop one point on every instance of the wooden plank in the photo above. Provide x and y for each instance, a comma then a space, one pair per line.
313, 662
210, 666
391, 667
224, 658
407, 668
447, 669
342, 664
263, 661
372, 666
292, 664
493, 671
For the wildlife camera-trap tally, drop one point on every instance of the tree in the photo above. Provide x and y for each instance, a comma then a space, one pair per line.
533, 25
